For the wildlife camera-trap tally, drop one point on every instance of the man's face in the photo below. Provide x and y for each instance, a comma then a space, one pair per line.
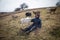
36, 16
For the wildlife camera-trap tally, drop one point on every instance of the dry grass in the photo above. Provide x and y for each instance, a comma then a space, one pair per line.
10, 26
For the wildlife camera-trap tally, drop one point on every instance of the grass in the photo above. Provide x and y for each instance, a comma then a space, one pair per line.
56, 32
10, 27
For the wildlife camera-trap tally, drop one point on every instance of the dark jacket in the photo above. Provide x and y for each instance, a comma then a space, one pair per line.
36, 22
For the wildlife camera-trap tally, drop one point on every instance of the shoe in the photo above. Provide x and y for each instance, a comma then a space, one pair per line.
22, 29
28, 33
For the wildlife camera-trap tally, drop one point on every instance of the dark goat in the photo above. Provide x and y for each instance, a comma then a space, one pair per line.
52, 10
28, 14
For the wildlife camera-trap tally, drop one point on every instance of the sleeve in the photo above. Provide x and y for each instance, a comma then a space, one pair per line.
40, 24
32, 20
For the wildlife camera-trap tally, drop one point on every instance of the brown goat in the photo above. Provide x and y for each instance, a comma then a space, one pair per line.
36, 12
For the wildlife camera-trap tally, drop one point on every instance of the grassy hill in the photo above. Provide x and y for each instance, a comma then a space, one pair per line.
10, 25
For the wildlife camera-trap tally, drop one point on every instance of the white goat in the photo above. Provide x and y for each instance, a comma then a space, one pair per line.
25, 20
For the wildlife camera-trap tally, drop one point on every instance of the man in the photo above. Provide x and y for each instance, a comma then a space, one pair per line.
36, 24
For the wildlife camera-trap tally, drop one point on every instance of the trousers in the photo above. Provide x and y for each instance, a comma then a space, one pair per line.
30, 28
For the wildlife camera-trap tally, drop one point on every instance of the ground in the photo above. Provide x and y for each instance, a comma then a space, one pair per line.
10, 26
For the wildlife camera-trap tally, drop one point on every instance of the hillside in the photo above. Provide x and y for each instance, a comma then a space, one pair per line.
10, 25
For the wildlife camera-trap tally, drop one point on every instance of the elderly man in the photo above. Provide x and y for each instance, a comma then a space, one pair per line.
36, 24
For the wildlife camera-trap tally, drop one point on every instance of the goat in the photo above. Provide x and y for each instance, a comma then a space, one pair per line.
28, 14
51, 10
27, 19
37, 12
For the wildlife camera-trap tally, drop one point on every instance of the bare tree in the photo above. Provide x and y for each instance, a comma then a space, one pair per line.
58, 4
23, 6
